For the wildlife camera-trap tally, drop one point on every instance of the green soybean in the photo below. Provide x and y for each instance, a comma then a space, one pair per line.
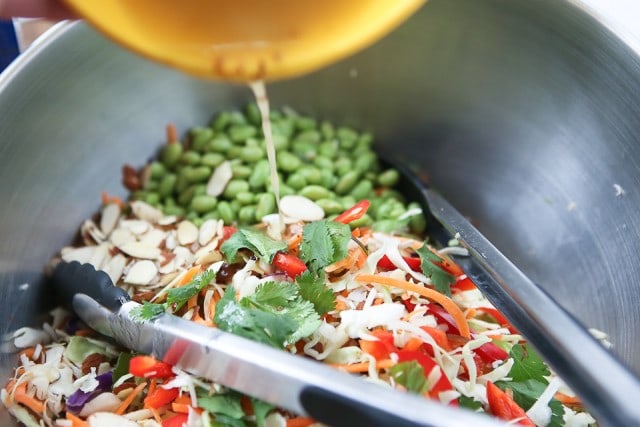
252, 154
245, 197
199, 174
328, 149
167, 184
327, 178
240, 133
212, 160
288, 162
304, 149
260, 175
220, 144
199, 189
343, 165
203, 203
417, 223
388, 178
221, 121
200, 137
174, 210
323, 162
347, 137
157, 170
253, 114
363, 221
185, 196
305, 123
190, 158
247, 214
312, 174
365, 162
347, 182
362, 190
171, 154
327, 129
314, 192
330, 206
297, 181
309, 136
226, 212
234, 187
266, 205
152, 198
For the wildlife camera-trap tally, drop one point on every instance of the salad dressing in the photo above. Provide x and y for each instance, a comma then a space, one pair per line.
260, 92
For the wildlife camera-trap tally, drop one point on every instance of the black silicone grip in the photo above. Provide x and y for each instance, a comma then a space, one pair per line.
71, 278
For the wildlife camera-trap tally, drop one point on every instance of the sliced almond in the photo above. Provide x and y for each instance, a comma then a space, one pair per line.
115, 267
301, 208
208, 254
171, 241
219, 179
140, 250
167, 268
109, 217
121, 236
187, 233
184, 257
99, 256
153, 237
207, 231
91, 233
146, 212
82, 255
141, 273
136, 226
168, 220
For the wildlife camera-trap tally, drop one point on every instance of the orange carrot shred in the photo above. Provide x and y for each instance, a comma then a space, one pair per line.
23, 398
156, 414
436, 296
75, 420
189, 275
363, 366
300, 422
126, 402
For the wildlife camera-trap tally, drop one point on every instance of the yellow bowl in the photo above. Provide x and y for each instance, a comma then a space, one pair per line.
245, 40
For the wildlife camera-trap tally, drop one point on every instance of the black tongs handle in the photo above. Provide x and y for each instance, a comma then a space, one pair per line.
71, 278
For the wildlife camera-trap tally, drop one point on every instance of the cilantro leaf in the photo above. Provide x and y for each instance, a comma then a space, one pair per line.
221, 404
411, 376
275, 294
177, 297
323, 243
147, 311
253, 323
440, 278
313, 289
525, 394
259, 243
527, 365
261, 409
469, 403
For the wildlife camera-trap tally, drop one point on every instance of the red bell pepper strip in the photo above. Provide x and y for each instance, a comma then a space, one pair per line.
290, 264
160, 397
382, 348
177, 420
355, 212
504, 407
149, 367
428, 365
489, 352
413, 263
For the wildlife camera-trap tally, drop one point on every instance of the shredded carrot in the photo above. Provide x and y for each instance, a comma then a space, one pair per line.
436, 296
363, 366
29, 352
10, 385
76, 421
184, 398
126, 402
189, 275
470, 313
300, 422
152, 385
182, 408
172, 133
294, 242
156, 414
347, 262
413, 343
84, 332
21, 396
568, 400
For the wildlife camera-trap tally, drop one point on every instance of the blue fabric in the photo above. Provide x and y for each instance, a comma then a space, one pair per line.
8, 44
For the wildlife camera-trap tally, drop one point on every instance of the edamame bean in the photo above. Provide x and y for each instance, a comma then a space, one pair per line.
314, 192
247, 214
157, 170
190, 158
347, 202
203, 203
296, 181
184, 198
213, 160
327, 130
328, 179
200, 137
167, 184
285, 190
173, 210
323, 163
199, 189
234, 152
312, 174
198, 174
347, 182
365, 162
363, 221
417, 223
266, 205
152, 198
237, 118
343, 165
241, 171
171, 154
284, 127
245, 197
280, 142
288, 162
253, 114
221, 121
226, 212
309, 136
304, 149
347, 137
259, 175
328, 149
220, 144
240, 133
251, 154
211, 215
388, 178
362, 190
305, 123
234, 187
365, 139
330, 206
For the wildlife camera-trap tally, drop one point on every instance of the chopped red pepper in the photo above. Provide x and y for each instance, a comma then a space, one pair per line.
177, 420
489, 352
160, 397
382, 348
290, 264
439, 336
413, 263
355, 212
504, 407
149, 367
499, 317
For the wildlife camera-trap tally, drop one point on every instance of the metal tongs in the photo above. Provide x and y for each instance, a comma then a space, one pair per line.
610, 391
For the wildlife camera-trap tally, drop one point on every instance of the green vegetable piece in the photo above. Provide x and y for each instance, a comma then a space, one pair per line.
213, 160
526, 393
203, 203
266, 205
157, 170
167, 184
221, 404
253, 114
252, 154
261, 410
190, 158
240, 133
362, 190
527, 364
226, 212
259, 243
313, 289
411, 376
199, 174
440, 278
234, 187
388, 178
240, 171
296, 181
200, 137
330, 206
288, 162
177, 297
260, 175
122, 366
246, 214
305, 123
323, 243
315, 192
347, 182
80, 347
220, 144
171, 154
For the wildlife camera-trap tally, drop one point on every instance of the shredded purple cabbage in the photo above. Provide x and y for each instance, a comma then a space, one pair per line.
79, 398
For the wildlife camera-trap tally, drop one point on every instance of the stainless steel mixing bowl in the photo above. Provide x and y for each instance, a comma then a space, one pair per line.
524, 114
